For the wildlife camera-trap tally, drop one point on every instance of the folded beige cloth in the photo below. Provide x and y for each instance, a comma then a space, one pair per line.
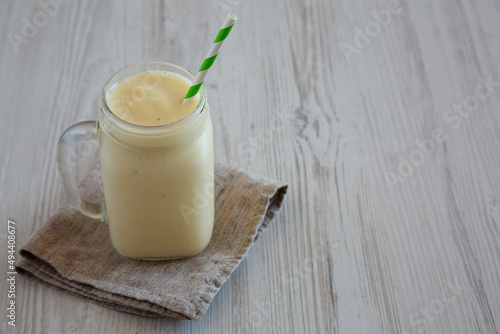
75, 254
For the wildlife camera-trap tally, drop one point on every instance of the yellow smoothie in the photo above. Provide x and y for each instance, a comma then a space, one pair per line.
153, 98
158, 181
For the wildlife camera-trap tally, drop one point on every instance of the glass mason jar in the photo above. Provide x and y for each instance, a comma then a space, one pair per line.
158, 180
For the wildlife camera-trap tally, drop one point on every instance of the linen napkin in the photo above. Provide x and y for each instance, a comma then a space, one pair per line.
74, 254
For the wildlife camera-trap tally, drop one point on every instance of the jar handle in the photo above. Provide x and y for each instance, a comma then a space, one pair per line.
77, 153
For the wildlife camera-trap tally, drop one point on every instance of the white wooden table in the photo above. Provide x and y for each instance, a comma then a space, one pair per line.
386, 133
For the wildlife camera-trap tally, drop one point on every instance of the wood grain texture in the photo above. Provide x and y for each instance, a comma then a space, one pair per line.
351, 252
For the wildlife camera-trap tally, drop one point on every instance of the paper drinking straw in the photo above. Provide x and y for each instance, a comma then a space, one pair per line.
210, 58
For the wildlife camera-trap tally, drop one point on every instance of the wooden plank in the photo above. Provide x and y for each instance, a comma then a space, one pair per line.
352, 251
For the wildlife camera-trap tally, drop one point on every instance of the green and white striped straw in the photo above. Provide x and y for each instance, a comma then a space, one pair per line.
210, 58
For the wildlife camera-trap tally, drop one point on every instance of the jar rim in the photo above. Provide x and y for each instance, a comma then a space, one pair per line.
108, 87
